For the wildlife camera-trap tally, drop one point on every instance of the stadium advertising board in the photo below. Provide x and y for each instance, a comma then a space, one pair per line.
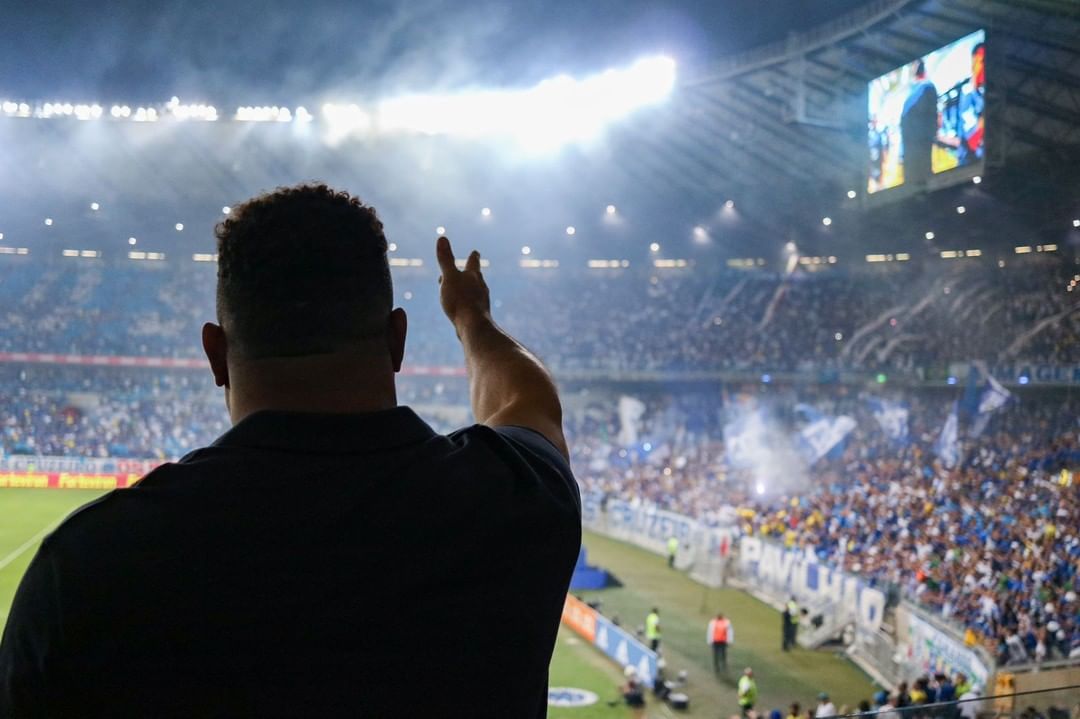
781, 573
928, 116
611, 639
932, 650
66, 480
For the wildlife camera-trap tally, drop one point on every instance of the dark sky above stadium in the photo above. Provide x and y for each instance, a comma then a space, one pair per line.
250, 52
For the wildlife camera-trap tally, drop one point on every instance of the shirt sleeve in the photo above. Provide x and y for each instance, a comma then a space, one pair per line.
538, 451
30, 640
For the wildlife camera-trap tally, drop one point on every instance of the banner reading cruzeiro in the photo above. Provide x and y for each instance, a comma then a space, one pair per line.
648, 527
781, 573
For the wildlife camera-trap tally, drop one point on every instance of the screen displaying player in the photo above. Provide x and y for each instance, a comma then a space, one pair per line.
928, 117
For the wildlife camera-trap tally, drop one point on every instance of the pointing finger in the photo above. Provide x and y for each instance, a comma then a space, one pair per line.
445, 255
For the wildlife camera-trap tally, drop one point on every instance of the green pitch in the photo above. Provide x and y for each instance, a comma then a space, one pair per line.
26, 515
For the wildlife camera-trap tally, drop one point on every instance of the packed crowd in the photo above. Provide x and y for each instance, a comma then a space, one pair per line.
992, 543
904, 320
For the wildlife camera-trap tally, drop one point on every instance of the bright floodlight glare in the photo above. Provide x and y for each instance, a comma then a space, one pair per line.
48, 222
960, 209
440, 230
851, 194
1076, 223
95, 206
730, 204
977, 179
790, 248
760, 488
132, 240
555, 112
179, 226
826, 221
226, 210
570, 230
929, 235
526, 250
611, 209
485, 211
654, 247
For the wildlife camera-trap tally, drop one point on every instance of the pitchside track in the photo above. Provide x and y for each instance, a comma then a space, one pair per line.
26, 515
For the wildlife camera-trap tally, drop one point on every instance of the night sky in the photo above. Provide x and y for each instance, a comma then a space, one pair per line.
247, 52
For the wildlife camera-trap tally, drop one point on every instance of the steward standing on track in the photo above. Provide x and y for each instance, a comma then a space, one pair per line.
652, 629
672, 550
295, 566
719, 635
747, 691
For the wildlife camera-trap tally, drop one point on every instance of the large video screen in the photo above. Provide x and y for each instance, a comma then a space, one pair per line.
928, 117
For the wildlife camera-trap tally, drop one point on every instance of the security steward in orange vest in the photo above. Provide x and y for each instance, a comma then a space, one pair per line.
719, 634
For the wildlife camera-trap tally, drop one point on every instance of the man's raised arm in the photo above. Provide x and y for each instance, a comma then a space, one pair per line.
508, 385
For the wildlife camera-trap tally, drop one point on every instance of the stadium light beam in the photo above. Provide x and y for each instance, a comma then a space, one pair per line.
558, 111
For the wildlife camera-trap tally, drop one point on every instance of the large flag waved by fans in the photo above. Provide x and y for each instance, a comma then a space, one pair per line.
822, 433
893, 418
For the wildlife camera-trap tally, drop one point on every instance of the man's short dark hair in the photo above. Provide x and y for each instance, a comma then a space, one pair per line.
302, 270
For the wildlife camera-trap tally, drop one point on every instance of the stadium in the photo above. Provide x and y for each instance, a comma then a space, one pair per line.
806, 278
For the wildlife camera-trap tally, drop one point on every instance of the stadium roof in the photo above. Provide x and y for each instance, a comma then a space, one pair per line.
778, 131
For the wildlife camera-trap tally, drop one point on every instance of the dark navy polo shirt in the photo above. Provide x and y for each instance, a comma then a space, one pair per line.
303, 565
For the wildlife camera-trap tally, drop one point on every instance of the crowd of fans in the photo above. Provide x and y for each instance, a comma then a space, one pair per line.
992, 543
903, 320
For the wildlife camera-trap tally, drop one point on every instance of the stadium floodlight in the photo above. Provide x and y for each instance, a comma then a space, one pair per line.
440, 230
392, 247
610, 209
701, 235
960, 209
95, 206
344, 120
526, 250
1076, 223
485, 211
48, 222
226, 210
132, 241
851, 194
839, 336
826, 221
654, 247
929, 235
571, 230
729, 205
977, 179
555, 112
179, 226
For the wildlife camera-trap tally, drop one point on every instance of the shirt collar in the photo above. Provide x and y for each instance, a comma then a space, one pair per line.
330, 433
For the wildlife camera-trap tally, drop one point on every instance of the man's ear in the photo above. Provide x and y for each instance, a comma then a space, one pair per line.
395, 336
216, 347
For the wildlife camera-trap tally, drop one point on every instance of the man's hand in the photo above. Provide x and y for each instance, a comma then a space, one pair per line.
463, 293
508, 386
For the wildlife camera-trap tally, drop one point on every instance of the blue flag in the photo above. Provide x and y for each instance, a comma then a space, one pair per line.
822, 434
893, 418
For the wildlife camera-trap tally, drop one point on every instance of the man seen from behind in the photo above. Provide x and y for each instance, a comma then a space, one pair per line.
331, 554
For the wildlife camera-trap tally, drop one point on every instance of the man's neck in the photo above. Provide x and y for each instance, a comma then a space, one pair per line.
341, 383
